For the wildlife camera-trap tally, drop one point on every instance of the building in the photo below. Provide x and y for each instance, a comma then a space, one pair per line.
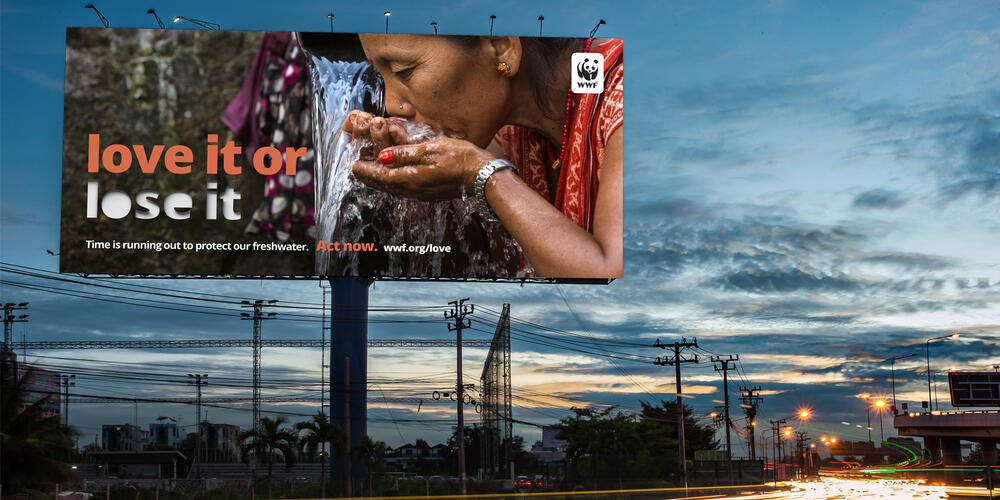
165, 433
124, 437
550, 451
220, 442
140, 464
411, 456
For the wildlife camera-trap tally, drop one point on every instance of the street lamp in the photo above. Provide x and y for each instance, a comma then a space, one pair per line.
892, 373
880, 404
198, 22
927, 351
159, 22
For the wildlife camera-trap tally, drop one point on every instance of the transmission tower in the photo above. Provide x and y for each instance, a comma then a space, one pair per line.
257, 316
496, 405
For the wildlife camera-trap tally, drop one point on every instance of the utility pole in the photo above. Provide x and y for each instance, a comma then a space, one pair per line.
676, 361
324, 326
458, 312
800, 442
198, 381
67, 382
779, 452
749, 401
726, 364
9, 318
258, 315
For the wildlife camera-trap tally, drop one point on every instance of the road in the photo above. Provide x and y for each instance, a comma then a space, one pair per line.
846, 489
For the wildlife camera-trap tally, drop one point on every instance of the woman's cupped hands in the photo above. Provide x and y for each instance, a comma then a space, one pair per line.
440, 169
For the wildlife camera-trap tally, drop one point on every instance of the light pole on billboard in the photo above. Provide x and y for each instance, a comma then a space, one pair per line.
205, 25
598, 25
387, 14
330, 16
159, 21
540, 19
434, 25
100, 16
927, 352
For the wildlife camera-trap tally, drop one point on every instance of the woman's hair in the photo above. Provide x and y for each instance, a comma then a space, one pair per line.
539, 57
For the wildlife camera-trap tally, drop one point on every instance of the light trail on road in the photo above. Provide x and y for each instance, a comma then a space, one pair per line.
847, 489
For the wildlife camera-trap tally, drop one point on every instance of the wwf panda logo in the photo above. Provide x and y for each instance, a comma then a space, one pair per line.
587, 69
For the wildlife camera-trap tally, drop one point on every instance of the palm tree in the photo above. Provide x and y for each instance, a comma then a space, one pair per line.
270, 440
36, 447
372, 453
319, 431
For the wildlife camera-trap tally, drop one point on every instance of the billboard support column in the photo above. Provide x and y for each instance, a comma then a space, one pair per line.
349, 341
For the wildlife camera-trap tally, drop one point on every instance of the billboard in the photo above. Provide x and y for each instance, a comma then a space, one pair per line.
974, 389
220, 153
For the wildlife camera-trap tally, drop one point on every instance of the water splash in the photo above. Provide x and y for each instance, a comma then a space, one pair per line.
349, 211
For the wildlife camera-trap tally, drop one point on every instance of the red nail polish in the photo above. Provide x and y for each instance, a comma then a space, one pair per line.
385, 156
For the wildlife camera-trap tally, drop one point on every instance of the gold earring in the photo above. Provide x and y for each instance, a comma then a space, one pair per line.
400, 107
503, 68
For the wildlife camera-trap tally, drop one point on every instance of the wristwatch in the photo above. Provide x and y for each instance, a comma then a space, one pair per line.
491, 167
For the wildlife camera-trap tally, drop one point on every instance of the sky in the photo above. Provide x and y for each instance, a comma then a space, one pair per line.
812, 186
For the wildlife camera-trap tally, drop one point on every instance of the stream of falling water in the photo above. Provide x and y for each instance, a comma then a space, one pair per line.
348, 211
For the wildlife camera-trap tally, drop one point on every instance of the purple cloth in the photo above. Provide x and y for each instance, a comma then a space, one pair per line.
240, 114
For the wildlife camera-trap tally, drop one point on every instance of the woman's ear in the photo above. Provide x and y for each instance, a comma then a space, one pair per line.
507, 49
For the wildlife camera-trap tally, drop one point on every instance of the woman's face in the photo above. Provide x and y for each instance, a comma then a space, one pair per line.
439, 82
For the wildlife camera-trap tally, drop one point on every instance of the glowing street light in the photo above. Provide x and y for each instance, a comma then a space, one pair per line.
880, 404
205, 25
804, 414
